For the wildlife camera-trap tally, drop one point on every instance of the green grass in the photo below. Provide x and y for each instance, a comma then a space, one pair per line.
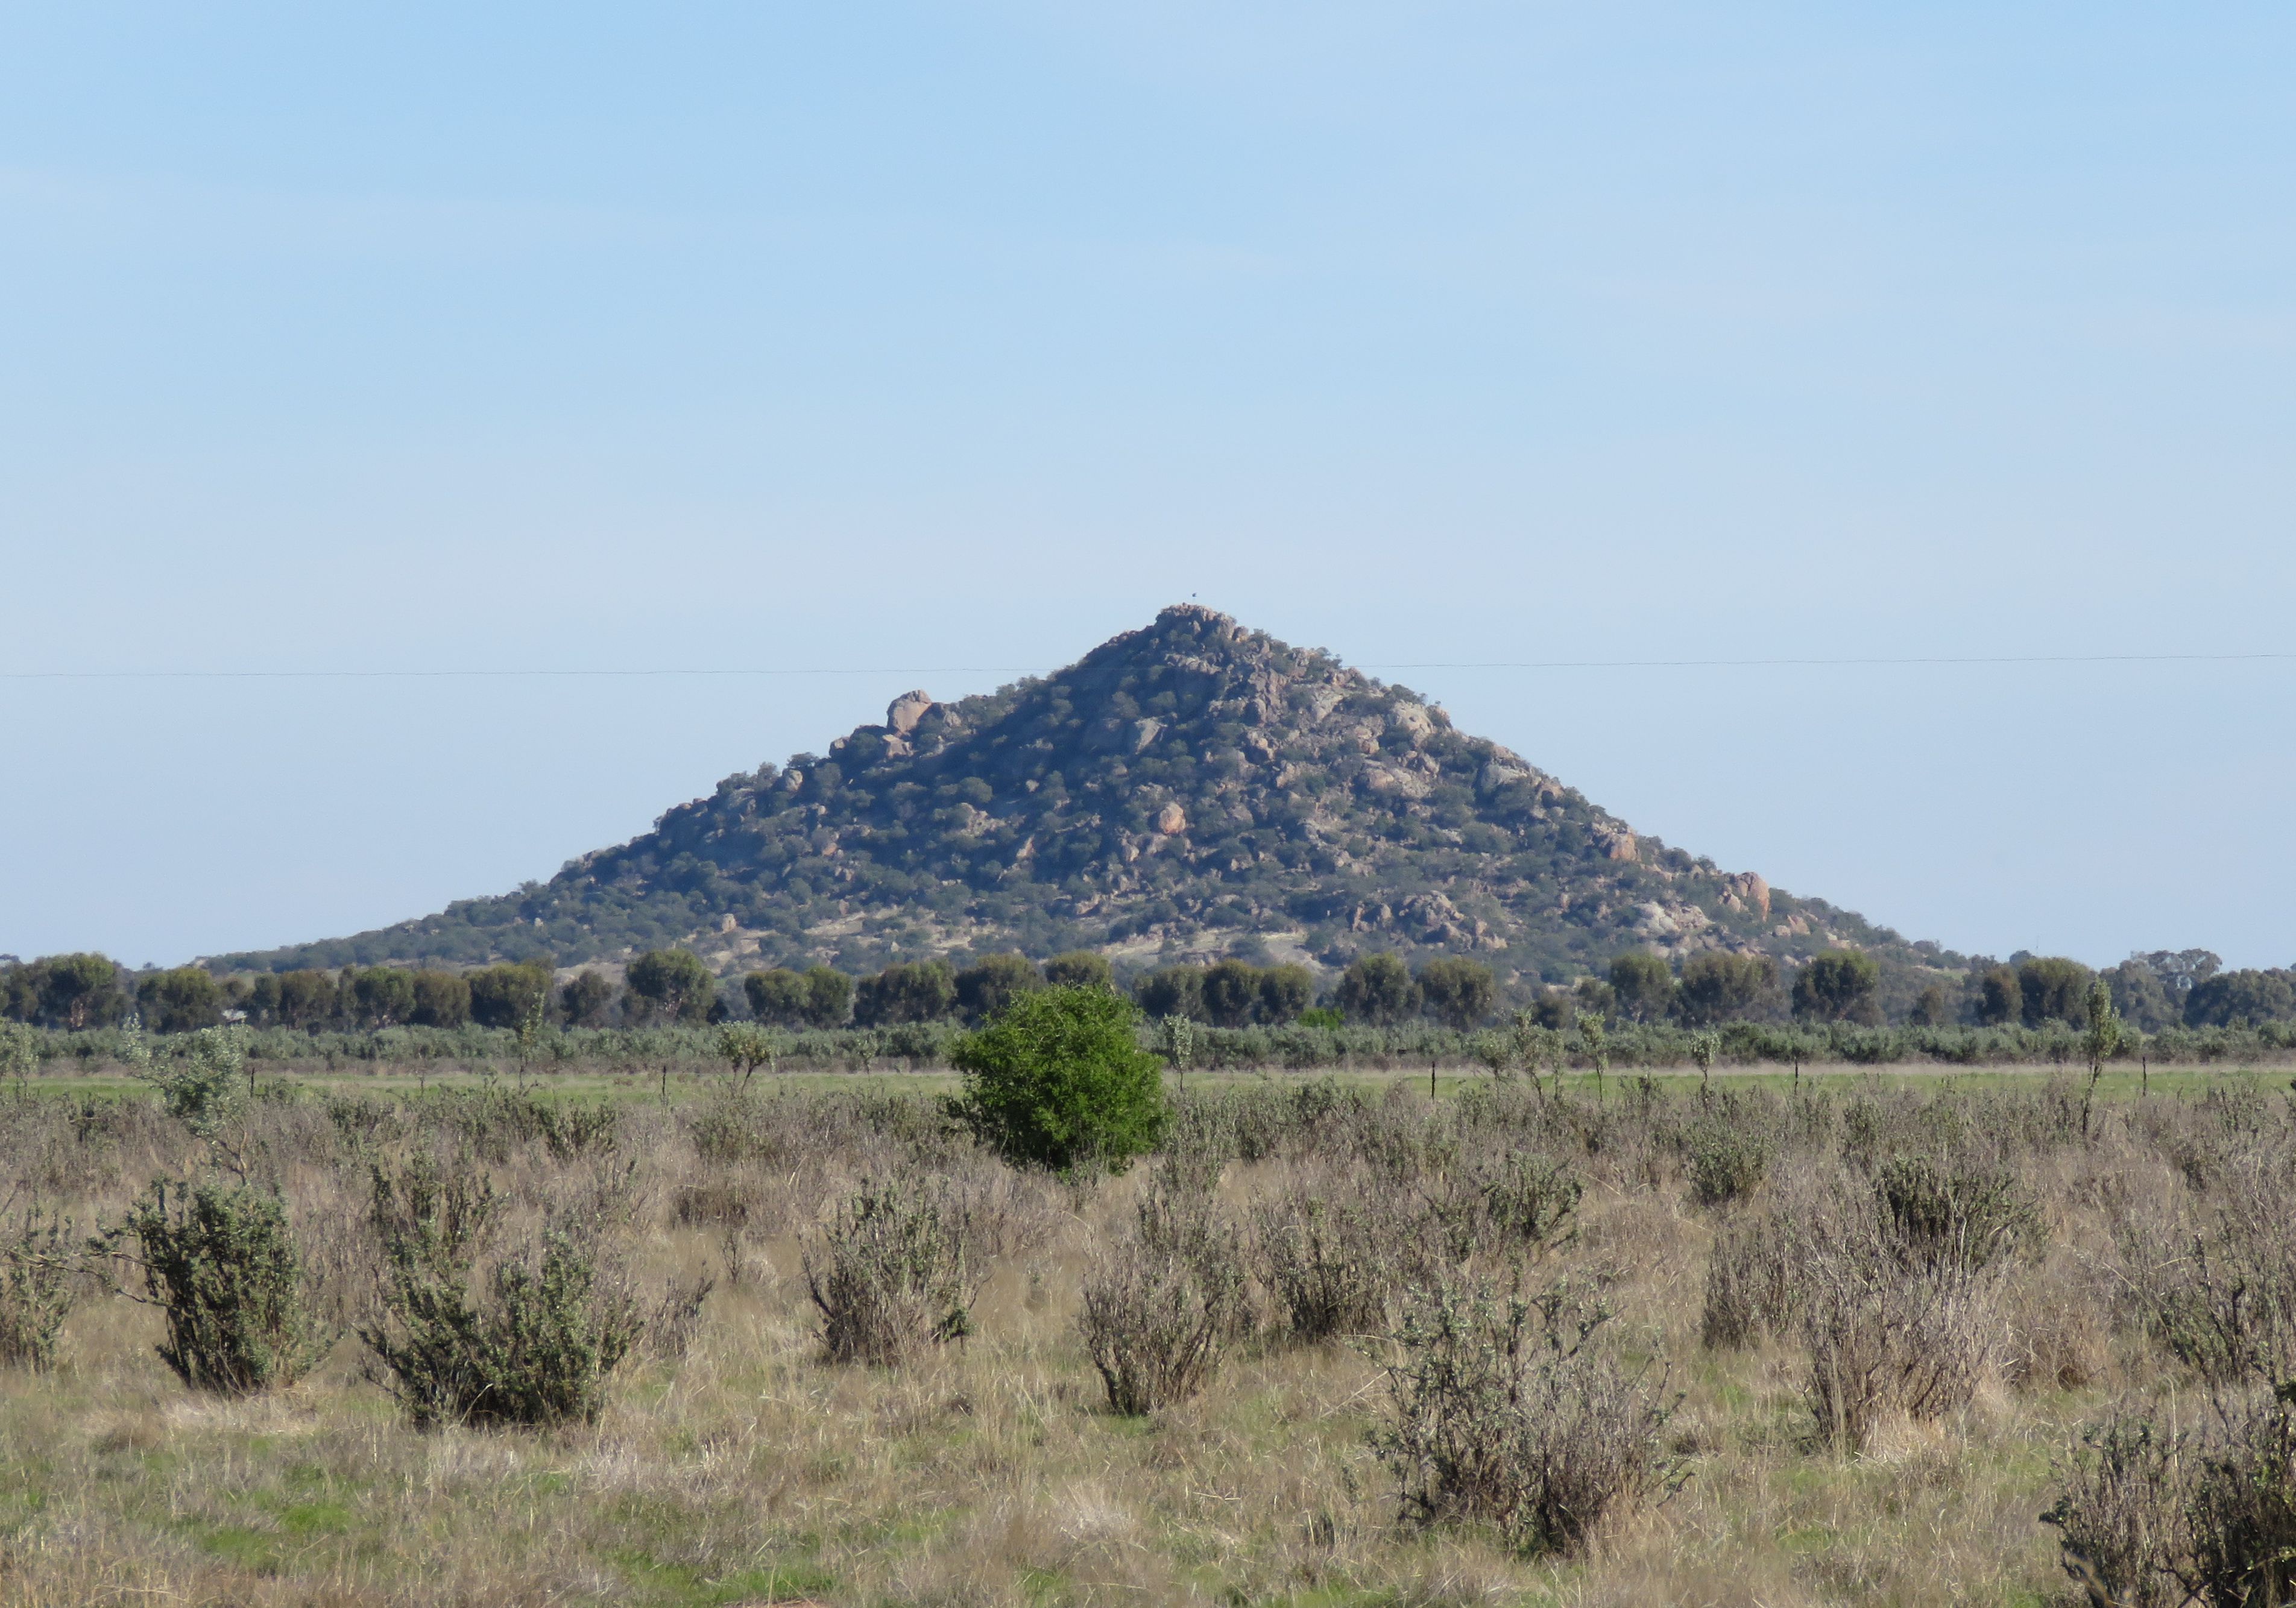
666, 1585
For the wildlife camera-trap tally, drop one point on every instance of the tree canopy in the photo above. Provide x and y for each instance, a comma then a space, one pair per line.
1058, 1080
1841, 986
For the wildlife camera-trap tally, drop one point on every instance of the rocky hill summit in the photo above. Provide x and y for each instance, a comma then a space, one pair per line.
1191, 788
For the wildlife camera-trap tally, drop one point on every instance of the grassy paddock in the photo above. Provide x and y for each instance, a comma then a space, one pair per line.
747, 1469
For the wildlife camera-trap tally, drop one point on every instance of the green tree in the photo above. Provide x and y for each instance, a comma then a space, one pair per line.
1643, 986
1594, 997
671, 984
586, 999
20, 992
383, 996
992, 983
1842, 985
182, 1001
2000, 998
1457, 991
262, 1005
2053, 988
1059, 1080
1174, 992
307, 1000
1930, 1009
78, 991
1378, 989
1080, 969
442, 1000
777, 997
1230, 993
505, 995
1718, 986
921, 990
2232, 998
2142, 997
1285, 993
828, 997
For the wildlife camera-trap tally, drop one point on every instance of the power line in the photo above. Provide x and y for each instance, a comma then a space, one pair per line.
945, 669
1930, 659
1023, 669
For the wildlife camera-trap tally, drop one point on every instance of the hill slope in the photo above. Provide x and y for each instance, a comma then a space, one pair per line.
1192, 786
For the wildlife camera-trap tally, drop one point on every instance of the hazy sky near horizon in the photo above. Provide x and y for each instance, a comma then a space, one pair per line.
894, 344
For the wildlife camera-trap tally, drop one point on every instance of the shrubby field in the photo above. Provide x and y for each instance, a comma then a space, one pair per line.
1327, 1342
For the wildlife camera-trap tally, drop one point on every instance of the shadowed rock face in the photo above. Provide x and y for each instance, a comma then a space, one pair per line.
1192, 785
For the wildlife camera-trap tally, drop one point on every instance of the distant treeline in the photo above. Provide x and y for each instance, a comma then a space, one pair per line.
2154, 993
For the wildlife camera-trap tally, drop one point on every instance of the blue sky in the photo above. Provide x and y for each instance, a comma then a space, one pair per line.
883, 338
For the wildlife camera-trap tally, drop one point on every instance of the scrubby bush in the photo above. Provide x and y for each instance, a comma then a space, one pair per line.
1952, 1211
536, 1351
889, 1273
1727, 1160
2121, 1513
1059, 1080
2221, 1296
218, 1260
39, 1266
1332, 1254
1883, 1340
1515, 1414
202, 1086
2152, 1517
1753, 1286
1526, 1201
2243, 1508
1161, 1305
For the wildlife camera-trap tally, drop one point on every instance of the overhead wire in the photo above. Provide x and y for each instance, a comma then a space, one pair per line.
1810, 661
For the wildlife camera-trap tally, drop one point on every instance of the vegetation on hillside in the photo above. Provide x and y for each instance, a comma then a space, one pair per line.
1192, 785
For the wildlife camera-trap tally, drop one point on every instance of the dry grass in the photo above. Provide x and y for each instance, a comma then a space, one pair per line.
990, 1470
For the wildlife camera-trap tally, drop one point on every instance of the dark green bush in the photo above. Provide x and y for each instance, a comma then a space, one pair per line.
1059, 1080
218, 1260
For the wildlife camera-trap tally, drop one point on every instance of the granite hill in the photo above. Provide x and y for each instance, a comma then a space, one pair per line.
1191, 788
